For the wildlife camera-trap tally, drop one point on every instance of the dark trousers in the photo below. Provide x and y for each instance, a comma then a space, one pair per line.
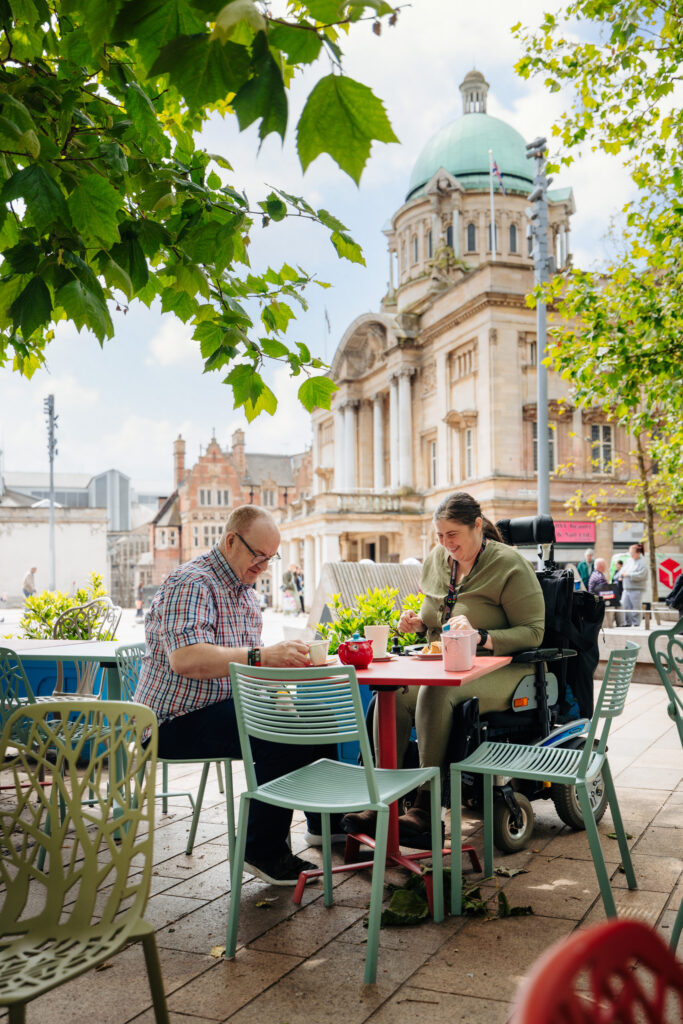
212, 732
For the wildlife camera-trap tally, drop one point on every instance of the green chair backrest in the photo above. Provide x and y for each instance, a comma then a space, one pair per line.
669, 663
97, 867
610, 703
12, 679
128, 661
300, 706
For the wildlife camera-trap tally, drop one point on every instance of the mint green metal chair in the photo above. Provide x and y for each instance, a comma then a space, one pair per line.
12, 679
311, 707
556, 765
128, 660
668, 660
87, 902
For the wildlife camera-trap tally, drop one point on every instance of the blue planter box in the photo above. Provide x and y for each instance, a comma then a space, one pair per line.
42, 677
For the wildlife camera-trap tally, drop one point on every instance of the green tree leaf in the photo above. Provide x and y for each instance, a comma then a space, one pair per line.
342, 117
234, 12
263, 96
316, 393
301, 45
46, 205
33, 307
85, 308
94, 207
202, 70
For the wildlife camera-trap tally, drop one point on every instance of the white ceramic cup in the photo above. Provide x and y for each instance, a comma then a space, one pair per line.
317, 651
379, 637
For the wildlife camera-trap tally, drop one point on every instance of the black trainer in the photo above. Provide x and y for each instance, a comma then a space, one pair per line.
284, 870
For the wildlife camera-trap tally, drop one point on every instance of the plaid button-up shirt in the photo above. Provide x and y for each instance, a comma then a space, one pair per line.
202, 601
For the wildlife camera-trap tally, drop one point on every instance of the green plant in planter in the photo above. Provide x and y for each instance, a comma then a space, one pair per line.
373, 608
42, 610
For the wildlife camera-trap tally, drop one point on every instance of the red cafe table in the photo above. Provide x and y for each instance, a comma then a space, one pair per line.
387, 676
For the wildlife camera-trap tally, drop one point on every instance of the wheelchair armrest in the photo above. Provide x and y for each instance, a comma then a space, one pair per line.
541, 654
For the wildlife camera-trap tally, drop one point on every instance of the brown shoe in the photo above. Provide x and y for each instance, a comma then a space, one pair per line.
360, 822
415, 820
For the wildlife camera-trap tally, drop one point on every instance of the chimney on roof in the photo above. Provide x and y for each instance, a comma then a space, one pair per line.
178, 462
238, 458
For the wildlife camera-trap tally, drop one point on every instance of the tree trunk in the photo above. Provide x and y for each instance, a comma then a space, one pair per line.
649, 519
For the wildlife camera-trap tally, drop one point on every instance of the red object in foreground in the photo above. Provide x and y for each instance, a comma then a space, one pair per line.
404, 671
355, 652
617, 972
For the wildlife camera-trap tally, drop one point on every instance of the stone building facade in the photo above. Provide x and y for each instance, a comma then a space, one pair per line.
191, 519
437, 389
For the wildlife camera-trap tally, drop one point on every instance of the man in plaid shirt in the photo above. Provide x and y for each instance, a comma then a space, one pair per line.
205, 615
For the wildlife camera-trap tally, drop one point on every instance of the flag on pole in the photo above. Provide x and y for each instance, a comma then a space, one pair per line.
495, 170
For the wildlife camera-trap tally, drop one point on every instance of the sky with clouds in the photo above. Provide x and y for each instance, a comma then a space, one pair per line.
122, 405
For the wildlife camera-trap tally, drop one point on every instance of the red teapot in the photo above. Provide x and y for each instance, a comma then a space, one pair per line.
356, 652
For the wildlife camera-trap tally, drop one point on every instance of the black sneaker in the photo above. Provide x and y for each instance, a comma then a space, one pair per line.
284, 870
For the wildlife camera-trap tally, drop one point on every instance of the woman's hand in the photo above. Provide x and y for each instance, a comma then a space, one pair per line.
410, 622
460, 622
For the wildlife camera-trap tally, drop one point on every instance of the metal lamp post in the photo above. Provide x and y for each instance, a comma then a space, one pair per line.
49, 409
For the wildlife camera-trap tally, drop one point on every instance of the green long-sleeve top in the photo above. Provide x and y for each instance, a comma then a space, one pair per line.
500, 594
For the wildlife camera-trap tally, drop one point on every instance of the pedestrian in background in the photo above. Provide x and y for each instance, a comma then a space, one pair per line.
585, 568
597, 577
28, 587
634, 579
616, 580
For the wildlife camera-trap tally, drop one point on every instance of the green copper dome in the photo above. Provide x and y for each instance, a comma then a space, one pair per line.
462, 147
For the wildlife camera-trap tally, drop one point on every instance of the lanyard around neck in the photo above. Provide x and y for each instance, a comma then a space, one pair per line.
453, 590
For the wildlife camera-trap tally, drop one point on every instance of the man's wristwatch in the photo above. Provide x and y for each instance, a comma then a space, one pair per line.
254, 656
483, 636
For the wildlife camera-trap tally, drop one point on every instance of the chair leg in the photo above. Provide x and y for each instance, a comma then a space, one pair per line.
456, 834
230, 808
677, 928
437, 852
596, 850
156, 981
236, 871
219, 773
626, 861
198, 801
164, 787
376, 895
17, 1013
487, 781
327, 859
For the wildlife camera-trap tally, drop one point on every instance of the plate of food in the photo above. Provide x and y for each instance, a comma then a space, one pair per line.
434, 650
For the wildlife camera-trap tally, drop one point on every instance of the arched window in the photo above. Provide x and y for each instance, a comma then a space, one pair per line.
471, 238
449, 235
513, 238
414, 248
430, 252
530, 245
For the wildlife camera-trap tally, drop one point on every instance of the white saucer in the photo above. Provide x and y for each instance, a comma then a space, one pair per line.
387, 657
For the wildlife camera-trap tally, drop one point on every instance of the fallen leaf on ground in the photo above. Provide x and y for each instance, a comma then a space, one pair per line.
217, 951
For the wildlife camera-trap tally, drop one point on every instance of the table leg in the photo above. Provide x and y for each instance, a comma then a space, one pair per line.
386, 756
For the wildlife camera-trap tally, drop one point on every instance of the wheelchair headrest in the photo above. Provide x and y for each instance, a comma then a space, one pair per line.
527, 530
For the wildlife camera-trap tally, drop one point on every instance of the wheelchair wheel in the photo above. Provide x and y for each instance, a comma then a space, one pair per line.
507, 837
567, 802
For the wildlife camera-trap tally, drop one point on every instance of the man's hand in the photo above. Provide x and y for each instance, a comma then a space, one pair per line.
286, 654
410, 622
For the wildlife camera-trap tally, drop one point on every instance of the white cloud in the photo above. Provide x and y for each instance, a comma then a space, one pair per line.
172, 345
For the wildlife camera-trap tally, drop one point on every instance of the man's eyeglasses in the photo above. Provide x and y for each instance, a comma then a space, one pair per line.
259, 559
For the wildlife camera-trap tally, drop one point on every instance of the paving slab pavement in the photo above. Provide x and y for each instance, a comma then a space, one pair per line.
304, 965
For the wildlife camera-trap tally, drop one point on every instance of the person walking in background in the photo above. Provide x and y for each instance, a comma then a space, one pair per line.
597, 578
139, 601
634, 578
585, 568
28, 587
616, 573
299, 578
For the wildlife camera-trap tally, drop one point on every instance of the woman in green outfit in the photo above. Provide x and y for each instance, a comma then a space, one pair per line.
474, 581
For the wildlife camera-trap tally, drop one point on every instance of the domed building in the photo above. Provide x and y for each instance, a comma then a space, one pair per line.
437, 389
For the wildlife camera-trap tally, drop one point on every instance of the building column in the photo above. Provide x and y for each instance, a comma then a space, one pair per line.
309, 571
318, 557
443, 431
331, 548
456, 234
405, 428
393, 433
315, 458
339, 460
350, 416
378, 441
391, 272
276, 578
